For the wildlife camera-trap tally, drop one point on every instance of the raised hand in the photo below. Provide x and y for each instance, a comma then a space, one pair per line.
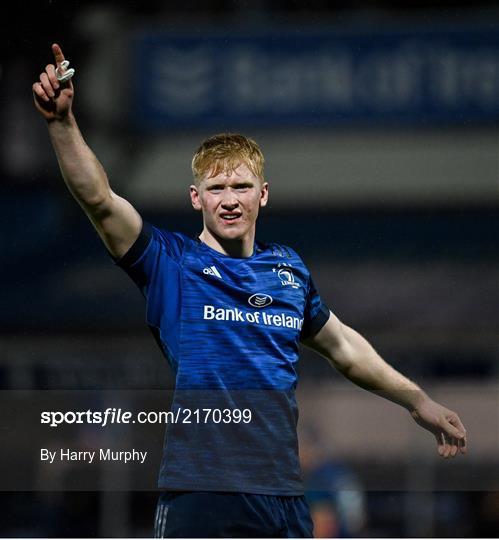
444, 424
52, 98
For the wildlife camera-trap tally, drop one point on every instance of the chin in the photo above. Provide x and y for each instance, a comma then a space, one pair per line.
232, 234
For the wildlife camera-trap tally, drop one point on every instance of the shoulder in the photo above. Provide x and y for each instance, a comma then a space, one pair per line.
165, 236
173, 238
150, 250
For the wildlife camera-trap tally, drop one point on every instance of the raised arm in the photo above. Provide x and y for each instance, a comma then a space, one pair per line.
357, 360
114, 218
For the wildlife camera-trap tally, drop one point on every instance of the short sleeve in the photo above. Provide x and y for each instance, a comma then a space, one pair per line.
147, 257
316, 312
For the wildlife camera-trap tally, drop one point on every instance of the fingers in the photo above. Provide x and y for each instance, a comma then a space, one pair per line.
52, 97
58, 55
444, 445
39, 92
49, 86
440, 443
450, 446
462, 444
462, 439
46, 85
456, 423
50, 70
455, 429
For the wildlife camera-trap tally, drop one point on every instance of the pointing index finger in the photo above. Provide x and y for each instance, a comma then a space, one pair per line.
58, 55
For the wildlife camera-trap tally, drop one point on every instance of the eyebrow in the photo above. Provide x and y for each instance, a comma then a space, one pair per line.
237, 184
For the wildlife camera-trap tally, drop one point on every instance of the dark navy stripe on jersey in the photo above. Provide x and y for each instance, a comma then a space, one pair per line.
138, 247
312, 327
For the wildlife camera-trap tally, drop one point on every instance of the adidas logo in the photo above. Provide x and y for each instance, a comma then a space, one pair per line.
212, 271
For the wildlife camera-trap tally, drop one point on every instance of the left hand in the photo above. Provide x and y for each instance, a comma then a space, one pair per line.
444, 424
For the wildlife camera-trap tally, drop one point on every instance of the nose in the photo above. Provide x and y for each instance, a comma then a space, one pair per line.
229, 200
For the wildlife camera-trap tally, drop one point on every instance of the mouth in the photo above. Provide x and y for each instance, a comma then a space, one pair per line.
230, 217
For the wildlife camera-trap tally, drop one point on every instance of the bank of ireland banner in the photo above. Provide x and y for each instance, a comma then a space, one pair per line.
320, 78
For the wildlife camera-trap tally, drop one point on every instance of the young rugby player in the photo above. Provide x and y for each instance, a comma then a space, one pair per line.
229, 313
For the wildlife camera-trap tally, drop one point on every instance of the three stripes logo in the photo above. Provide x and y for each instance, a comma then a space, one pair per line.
212, 271
160, 519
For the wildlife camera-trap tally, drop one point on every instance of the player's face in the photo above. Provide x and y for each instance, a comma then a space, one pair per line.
230, 203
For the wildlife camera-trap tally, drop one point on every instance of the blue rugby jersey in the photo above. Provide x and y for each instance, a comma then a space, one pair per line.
230, 329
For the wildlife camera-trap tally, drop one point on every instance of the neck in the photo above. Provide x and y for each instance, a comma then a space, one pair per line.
239, 247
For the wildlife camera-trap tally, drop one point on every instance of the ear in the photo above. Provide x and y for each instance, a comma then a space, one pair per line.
264, 194
195, 199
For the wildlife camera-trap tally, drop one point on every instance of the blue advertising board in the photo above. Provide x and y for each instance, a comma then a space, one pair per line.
316, 78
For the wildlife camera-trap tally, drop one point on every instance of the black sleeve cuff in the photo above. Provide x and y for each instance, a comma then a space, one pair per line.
138, 247
313, 326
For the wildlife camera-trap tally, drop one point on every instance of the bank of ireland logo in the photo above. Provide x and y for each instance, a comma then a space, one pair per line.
259, 300
285, 274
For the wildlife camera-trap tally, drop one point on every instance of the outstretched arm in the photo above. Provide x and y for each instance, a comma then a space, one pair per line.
357, 360
114, 218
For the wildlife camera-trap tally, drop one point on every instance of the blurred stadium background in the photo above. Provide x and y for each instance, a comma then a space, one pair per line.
379, 123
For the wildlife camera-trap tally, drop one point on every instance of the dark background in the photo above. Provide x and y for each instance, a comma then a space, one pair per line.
405, 254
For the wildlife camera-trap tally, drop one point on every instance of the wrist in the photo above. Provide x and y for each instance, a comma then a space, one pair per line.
415, 399
67, 119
